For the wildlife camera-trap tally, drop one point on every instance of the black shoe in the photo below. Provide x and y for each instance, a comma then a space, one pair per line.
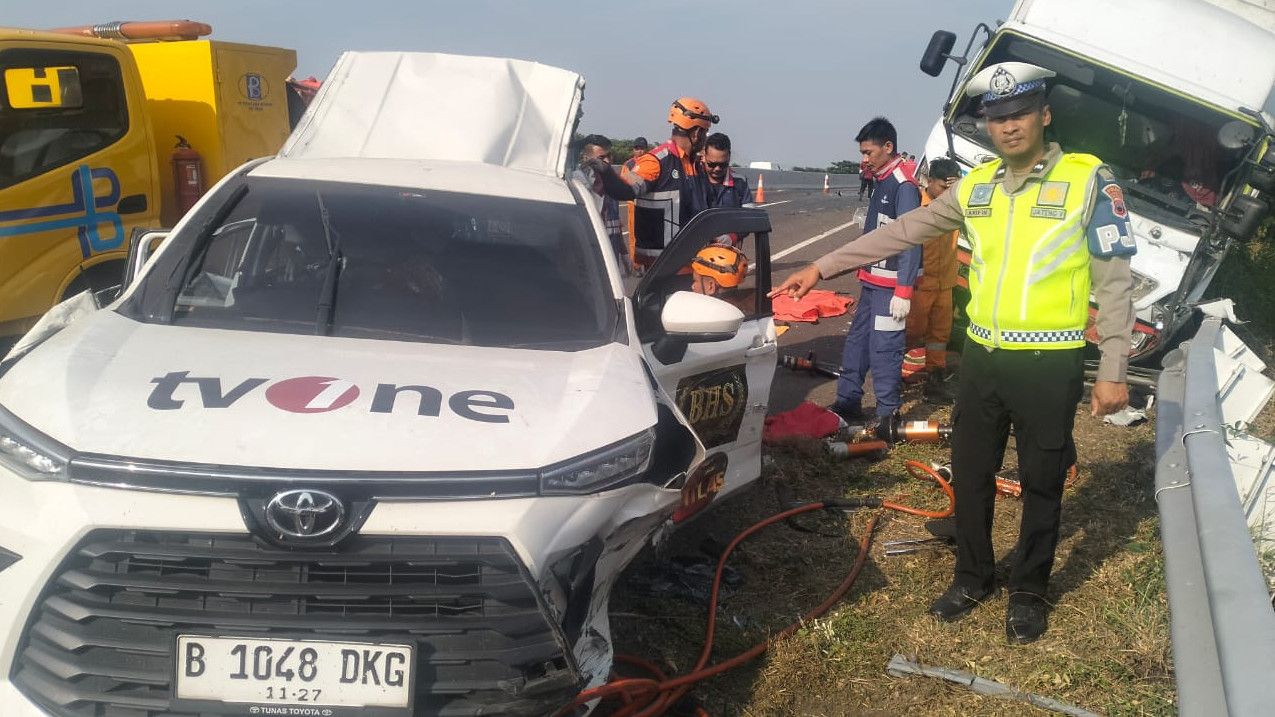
957, 601
850, 413
939, 388
1026, 619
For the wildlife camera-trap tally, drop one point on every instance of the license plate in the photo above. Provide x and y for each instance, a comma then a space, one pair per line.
293, 672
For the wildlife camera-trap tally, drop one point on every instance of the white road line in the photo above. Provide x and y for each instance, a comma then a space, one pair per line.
771, 204
806, 243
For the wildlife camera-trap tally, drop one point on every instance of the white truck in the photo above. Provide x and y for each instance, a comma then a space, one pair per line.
1175, 96
375, 428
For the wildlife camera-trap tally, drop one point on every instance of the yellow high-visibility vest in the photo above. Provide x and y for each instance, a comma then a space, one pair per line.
1029, 268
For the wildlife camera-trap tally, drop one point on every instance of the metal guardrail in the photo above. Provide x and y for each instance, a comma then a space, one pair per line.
1220, 614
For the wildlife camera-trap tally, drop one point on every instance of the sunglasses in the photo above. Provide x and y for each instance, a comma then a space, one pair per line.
716, 165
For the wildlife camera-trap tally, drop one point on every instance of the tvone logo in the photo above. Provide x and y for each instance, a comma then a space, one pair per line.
320, 394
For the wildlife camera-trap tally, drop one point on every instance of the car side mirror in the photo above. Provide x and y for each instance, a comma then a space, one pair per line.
696, 318
937, 52
142, 244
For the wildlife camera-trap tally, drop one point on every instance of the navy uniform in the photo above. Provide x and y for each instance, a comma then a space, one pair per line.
876, 340
1042, 239
732, 192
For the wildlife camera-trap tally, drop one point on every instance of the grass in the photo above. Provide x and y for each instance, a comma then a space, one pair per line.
1107, 649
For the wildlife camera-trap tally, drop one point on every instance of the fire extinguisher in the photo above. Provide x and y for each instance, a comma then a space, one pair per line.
188, 175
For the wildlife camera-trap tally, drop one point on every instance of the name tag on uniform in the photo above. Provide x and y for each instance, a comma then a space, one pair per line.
979, 212
981, 195
1048, 213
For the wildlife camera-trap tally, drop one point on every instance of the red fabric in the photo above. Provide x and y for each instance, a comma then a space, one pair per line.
804, 421
818, 304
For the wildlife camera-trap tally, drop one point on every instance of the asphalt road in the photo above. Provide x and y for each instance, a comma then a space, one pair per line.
805, 225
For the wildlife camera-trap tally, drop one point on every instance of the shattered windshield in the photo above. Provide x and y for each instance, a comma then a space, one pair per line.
390, 263
1164, 148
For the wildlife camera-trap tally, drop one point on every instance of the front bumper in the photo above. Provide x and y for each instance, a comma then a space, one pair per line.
108, 577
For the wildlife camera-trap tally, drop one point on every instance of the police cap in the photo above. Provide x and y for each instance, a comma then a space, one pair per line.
1008, 87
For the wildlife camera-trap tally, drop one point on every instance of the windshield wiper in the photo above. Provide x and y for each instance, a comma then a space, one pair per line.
331, 276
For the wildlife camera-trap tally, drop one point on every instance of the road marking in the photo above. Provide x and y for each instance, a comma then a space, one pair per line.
771, 204
806, 243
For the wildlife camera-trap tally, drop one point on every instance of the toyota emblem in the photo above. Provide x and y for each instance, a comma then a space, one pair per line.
304, 513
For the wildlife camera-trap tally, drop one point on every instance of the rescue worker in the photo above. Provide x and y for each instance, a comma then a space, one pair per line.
1045, 227
718, 268
665, 184
875, 342
865, 180
930, 321
724, 188
597, 147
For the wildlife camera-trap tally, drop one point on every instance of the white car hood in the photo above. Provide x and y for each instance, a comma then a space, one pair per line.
111, 385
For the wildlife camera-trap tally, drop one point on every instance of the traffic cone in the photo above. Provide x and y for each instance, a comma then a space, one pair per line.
826, 190
760, 195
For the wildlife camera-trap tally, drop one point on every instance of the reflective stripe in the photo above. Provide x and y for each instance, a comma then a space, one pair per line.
1028, 337
1053, 239
1048, 269
876, 270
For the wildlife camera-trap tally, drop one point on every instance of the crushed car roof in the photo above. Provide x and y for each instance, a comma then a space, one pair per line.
462, 177
425, 105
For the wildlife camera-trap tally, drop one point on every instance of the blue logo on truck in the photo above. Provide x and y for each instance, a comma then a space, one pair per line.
82, 213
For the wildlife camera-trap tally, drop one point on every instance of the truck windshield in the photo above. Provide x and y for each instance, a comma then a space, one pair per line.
1164, 148
381, 262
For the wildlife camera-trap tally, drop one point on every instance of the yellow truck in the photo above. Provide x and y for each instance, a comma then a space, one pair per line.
91, 120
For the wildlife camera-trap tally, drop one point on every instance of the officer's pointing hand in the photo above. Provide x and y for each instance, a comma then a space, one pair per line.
1109, 397
798, 283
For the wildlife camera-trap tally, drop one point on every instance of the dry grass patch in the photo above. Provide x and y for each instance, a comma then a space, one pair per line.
1107, 648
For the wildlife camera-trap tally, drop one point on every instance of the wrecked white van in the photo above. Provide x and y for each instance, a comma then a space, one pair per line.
375, 428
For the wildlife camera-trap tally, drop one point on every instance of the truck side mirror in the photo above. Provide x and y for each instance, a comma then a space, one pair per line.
937, 52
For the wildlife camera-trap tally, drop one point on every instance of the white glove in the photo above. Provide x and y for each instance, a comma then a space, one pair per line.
899, 308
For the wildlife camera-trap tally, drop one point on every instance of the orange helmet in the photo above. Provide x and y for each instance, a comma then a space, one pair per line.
688, 112
724, 264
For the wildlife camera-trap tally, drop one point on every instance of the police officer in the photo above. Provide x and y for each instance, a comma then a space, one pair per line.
665, 183
1045, 228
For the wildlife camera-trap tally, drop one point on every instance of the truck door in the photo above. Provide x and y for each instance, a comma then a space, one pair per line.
721, 387
76, 172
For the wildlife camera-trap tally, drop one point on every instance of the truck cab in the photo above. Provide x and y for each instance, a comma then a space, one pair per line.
1183, 130
86, 128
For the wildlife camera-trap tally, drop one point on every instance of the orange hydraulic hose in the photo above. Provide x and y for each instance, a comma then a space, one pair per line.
647, 697
921, 471
664, 693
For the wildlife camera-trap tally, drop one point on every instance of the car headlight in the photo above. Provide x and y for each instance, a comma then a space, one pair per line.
602, 469
28, 452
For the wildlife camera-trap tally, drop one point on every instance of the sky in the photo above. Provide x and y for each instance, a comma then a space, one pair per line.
792, 80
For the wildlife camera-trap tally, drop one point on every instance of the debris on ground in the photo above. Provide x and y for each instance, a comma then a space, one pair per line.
901, 666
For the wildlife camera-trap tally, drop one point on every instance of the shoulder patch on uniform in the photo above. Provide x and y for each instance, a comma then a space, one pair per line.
1109, 232
978, 212
1048, 213
981, 194
1052, 194
1116, 195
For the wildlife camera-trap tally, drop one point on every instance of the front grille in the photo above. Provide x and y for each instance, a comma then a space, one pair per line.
100, 642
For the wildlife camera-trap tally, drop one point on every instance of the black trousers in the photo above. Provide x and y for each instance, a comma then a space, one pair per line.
1036, 392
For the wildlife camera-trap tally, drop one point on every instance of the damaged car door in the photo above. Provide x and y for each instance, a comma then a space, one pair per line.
715, 355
